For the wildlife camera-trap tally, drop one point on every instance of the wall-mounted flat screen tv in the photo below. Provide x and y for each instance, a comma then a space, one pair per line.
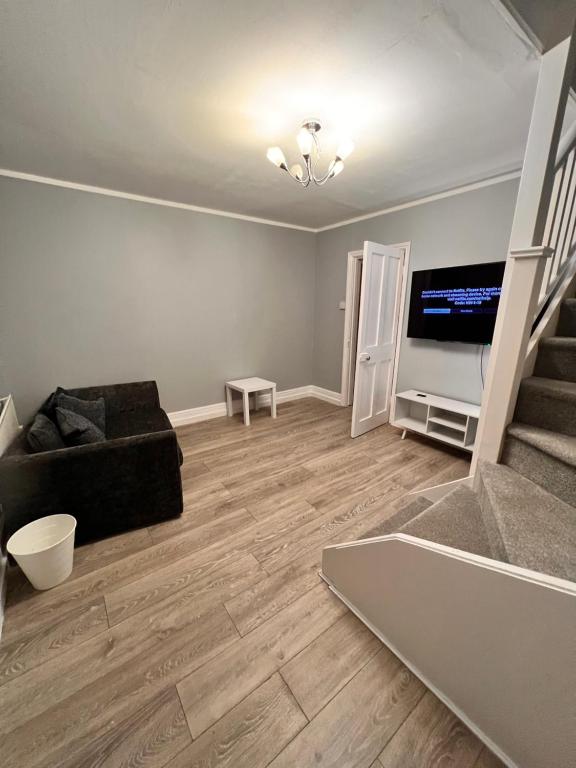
456, 303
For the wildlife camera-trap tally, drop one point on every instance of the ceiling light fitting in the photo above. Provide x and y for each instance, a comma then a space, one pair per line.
308, 143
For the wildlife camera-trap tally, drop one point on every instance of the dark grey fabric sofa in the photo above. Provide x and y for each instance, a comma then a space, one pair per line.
128, 481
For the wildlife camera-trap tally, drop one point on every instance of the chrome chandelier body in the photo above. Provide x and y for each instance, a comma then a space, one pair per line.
308, 143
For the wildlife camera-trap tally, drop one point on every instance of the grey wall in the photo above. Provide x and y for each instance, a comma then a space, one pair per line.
96, 289
462, 229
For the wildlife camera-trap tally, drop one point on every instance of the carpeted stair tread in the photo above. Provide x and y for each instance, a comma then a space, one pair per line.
561, 447
557, 358
392, 524
548, 404
567, 320
547, 458
537, 530
455, 521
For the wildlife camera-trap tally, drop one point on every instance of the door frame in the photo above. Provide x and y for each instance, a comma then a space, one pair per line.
351, 321
351, 307
401, 310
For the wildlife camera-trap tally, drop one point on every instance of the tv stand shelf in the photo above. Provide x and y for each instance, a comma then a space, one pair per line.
451, 421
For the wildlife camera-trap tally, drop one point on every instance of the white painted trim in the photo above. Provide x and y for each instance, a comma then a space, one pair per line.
215, 410
354, 257
325, 394
415, 671
498, 566
533, 252
404, 290
8, 422
18, 175
350, 323
298, 393
201, 413
143, 199
360, 584
428, 199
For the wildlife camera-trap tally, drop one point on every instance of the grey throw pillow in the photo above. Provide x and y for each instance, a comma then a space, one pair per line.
93, 410
43, 435
77, 429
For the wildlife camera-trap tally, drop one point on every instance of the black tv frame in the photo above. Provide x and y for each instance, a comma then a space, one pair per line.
458, 317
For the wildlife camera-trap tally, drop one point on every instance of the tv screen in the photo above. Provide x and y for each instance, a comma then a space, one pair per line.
456, 303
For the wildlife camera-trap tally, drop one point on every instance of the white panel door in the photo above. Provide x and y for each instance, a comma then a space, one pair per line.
378, 325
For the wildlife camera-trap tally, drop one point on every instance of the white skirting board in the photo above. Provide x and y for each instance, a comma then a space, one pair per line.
214, 411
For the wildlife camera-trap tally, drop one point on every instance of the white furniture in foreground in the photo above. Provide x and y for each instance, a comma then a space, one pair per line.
250, 387
44, 549
8, 422
450, 421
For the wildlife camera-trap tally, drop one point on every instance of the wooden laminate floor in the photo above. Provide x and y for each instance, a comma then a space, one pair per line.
211, 640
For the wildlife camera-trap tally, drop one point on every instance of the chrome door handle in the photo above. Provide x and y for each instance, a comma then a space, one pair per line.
364, 358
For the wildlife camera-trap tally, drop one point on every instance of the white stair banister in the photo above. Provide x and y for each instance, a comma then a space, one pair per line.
527, 256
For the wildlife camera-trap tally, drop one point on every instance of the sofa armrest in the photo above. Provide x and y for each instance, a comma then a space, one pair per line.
123, 398
108, 487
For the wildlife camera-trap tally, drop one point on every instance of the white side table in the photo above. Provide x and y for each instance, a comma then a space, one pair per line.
248, 387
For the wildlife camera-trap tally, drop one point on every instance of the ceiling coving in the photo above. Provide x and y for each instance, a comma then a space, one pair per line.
308, 143
179, 100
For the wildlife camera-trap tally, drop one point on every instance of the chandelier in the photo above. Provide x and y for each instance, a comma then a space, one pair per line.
308, 143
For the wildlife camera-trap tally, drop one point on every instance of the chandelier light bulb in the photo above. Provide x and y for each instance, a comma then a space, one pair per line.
305, 142
345, 149
306, 173
337, 167
296, 170
276, 156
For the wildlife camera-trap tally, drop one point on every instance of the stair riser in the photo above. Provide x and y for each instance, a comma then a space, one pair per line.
455, 521
403, 516
555, 363
544, 410
567, 321
546, 471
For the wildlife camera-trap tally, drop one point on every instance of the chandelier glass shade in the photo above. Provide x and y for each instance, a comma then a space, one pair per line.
307, 140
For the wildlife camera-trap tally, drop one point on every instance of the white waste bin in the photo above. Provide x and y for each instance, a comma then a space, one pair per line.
44, 549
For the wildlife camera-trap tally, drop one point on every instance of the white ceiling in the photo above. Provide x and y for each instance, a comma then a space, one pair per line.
179, 99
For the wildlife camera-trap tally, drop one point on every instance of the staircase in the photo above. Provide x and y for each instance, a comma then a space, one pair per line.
476, 592
511, 644
524, 509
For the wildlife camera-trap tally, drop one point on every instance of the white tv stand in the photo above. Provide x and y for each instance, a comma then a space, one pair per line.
450, 421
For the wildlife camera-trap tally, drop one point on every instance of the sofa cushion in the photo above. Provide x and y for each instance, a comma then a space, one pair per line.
43, 435
77, 429
48, 407
93, 410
